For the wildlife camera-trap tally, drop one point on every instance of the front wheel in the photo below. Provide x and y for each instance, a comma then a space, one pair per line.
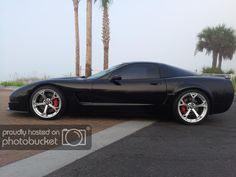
47, 103
191, 107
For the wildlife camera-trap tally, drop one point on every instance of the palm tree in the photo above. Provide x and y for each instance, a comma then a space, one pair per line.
218, 40
227, 53
207, 40
106, 31
77, 43
228, 44
88, 69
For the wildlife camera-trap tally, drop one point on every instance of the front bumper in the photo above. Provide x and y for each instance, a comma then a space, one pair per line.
17, 106
18, 101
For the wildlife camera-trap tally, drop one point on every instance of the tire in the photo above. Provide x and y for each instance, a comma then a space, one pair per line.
191, 107
47, 103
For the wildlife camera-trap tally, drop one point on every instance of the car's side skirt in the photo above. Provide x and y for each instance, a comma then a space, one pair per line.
113, 104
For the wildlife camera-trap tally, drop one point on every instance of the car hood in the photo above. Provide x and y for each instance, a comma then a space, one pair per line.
69, 78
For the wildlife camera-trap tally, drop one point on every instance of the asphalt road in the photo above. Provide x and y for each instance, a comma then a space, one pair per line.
166, 149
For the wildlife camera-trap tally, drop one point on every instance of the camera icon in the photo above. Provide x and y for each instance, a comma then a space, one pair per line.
74, 137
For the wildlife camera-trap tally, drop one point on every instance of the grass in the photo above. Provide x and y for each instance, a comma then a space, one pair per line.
234, 83
12, 83
21, 81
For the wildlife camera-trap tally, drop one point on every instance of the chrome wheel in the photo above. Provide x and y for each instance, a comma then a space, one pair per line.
192, 107
46, 103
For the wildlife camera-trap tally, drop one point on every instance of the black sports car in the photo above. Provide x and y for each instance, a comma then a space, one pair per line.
192, 97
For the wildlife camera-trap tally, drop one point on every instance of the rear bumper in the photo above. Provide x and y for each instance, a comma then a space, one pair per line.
223, 96
220, 108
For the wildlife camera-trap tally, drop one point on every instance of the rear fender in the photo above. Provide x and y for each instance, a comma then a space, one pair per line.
184, 87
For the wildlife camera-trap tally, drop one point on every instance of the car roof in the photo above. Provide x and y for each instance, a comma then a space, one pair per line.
141, 62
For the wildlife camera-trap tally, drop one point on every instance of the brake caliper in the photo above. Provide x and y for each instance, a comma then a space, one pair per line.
183, 108
56, 102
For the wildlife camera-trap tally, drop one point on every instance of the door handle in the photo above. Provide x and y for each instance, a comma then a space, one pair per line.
155, 83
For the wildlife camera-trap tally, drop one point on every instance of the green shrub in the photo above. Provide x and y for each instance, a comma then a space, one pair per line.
12, 83
234, 83
231, 71
212, 70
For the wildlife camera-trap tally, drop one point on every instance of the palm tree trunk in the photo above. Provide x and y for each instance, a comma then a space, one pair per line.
220, 61
106, 36
214, 61
88, 70
77, 43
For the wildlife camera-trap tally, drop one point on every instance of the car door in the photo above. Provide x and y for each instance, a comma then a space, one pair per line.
137, 83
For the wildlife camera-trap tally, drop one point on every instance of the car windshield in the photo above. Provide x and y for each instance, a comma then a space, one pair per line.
103, 73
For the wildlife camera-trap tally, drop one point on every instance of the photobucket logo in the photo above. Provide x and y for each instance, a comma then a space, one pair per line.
29, 142
78, 140
45, 137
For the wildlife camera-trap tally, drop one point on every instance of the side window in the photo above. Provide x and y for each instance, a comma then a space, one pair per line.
139, 71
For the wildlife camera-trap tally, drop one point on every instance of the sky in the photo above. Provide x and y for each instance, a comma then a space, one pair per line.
37, 37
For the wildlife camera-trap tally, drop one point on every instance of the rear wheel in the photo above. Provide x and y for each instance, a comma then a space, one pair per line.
47, 103
191, 107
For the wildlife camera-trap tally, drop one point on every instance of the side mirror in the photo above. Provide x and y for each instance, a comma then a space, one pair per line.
115, 79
